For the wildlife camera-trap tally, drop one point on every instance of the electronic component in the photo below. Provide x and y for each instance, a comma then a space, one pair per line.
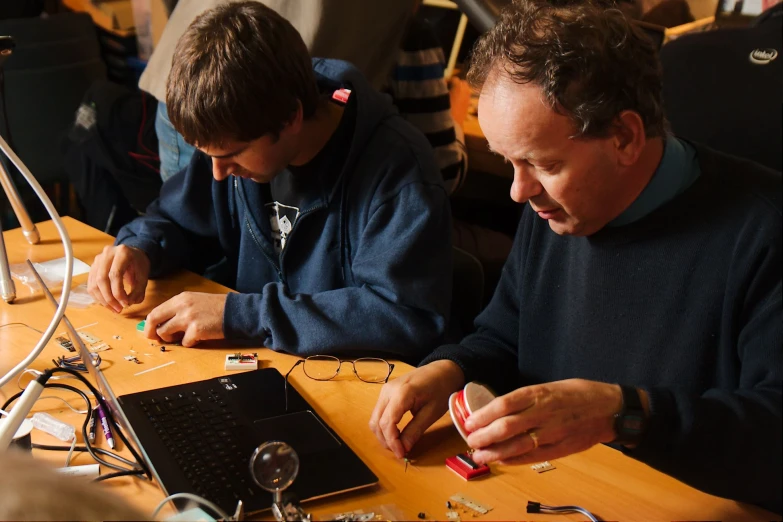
464, 466
471, 504
239, 361
541, 467
66, 343
98, 347
140, 326
132, 358
89, 338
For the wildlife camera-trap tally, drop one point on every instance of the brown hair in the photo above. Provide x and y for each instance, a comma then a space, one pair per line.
239, 72
590, 62
31, 490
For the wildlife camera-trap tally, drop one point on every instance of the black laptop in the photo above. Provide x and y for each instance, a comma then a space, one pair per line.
199, 437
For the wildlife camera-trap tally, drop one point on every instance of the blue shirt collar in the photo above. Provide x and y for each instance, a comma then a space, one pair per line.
677, 171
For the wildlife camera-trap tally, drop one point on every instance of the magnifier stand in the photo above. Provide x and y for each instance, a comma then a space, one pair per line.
274, 467
30, 232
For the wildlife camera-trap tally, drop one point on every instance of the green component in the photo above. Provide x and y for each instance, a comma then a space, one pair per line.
140, 326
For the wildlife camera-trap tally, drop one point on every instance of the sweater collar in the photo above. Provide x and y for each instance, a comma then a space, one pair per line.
677, 171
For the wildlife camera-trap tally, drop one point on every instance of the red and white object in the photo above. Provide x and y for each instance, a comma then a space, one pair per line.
464, 402
464, 466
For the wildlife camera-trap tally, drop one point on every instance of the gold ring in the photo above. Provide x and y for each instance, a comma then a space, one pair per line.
534, 438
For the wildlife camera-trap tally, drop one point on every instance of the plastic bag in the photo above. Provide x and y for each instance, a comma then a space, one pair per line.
52, 273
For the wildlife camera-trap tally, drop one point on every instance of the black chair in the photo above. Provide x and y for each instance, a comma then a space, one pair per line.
55, 60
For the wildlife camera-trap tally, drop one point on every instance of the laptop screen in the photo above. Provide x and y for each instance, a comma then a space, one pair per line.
750, 8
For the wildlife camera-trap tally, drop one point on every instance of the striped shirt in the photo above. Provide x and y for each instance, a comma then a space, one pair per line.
421, 94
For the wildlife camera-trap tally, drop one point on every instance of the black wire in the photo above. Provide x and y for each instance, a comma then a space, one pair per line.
139, 461
82, 449
119, 474
21, 324
86, 424
88, 447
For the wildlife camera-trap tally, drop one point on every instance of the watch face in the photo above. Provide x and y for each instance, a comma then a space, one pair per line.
633, 423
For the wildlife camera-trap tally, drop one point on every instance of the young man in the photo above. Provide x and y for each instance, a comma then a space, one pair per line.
641, 303
326, 208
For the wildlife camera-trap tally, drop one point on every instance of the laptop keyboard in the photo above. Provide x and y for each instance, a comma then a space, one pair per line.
198, 429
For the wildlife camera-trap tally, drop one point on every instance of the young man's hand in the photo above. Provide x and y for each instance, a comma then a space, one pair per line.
425, 393
112, 270
544, 422
191, 316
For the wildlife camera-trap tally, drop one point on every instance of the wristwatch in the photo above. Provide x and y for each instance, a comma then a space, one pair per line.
630, 421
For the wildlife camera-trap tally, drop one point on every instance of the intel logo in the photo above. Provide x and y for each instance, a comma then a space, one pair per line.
763, 56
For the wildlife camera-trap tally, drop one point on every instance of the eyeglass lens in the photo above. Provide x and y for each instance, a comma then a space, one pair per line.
371, 370
321, 367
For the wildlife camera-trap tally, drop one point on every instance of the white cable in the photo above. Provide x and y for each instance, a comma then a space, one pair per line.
195, 498
81, 412
67, 247
70, 452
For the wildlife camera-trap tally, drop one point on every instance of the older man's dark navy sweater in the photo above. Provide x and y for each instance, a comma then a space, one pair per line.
685, 303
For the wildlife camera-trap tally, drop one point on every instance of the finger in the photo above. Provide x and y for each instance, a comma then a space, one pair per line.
92, 286
422, 420
119, 267
377, 412
508, 449
542, 453
192, 336
388, 424
172, 330
500, 429
138, 284
158, 319
509, 404
104, 286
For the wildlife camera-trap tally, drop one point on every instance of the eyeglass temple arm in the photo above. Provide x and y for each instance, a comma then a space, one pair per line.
300, 361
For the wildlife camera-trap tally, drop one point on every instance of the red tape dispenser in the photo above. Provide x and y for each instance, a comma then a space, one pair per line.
461, 405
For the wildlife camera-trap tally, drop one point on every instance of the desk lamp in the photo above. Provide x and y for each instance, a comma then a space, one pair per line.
7, 290
9, 425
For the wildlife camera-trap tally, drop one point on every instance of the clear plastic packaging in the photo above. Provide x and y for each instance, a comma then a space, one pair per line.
79, 297
56, 428
52, 272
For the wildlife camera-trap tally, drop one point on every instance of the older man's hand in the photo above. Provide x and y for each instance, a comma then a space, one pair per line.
425, 393
544, 422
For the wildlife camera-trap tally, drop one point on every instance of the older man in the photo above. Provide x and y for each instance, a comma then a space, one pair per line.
641, 304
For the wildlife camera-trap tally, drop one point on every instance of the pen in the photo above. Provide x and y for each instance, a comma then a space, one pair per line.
105, 426
91, 426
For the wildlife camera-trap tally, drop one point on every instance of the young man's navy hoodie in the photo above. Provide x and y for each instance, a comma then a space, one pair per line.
368, 264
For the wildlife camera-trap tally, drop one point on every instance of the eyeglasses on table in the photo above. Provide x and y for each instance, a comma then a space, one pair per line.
326, 367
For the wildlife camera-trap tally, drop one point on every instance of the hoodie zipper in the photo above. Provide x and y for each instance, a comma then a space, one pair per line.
291, 235
255, 239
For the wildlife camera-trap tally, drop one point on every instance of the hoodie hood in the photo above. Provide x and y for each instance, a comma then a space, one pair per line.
372, 107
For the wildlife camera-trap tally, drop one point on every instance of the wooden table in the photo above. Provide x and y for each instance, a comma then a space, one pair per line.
601, 479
